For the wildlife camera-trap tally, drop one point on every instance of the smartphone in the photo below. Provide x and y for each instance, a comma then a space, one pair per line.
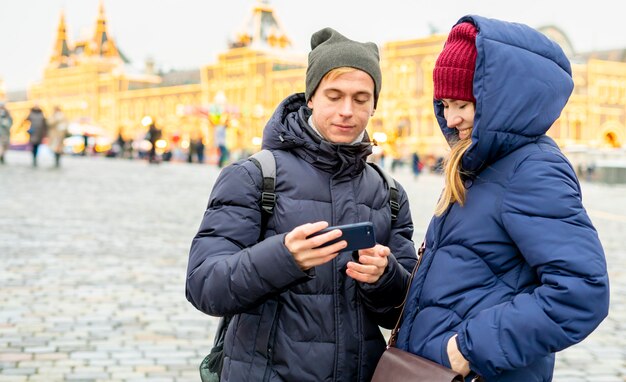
358, 236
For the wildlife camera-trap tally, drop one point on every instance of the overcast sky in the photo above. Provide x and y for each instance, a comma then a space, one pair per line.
183, 34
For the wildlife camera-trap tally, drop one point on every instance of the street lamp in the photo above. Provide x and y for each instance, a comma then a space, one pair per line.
146, 121
380, 137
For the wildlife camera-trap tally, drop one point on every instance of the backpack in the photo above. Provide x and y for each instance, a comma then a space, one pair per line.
266, 162
211, 366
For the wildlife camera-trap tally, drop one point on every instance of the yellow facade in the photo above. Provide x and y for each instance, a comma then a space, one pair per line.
595, 116
2, 91
596, 113
89, 80
251, 83
405, 112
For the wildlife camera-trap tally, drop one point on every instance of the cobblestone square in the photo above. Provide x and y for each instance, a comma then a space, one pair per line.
93, 259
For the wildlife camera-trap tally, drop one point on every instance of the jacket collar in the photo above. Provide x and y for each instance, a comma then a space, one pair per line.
288, 129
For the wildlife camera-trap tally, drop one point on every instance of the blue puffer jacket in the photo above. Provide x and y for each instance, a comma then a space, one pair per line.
518, 272
292, 325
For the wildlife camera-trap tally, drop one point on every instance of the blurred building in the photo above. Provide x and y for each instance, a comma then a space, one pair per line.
260, 68
594, 117
2, 91
94, 82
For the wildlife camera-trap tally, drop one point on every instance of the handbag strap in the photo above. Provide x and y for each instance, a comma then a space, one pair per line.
394, 332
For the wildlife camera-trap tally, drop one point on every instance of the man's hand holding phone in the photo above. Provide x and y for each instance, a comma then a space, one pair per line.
372, 264
314, 244
309, 251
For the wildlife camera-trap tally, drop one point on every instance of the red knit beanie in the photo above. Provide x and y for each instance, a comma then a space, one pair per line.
453, 76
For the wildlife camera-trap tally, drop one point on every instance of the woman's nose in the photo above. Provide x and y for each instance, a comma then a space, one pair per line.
454, 121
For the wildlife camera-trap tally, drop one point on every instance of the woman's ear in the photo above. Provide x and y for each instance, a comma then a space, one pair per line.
373, 112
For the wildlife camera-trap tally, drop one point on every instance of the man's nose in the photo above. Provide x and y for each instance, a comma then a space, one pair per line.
346, 107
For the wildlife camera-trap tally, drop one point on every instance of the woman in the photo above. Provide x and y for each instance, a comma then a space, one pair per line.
56, 134
513, 269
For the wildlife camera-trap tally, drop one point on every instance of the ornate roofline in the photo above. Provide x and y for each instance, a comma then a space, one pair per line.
262, 29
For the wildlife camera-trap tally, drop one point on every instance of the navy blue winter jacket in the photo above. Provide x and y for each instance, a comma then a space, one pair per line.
518, 272
292, 325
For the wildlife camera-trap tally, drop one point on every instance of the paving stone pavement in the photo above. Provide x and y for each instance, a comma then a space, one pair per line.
92, 271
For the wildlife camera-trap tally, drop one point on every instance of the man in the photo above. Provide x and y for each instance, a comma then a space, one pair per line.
303, 313
5, 130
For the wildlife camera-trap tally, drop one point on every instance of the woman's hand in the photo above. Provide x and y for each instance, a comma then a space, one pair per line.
458, 363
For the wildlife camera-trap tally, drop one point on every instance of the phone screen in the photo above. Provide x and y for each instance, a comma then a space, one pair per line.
358, 236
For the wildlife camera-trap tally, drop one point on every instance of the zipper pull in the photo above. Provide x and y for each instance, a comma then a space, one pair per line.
421, 249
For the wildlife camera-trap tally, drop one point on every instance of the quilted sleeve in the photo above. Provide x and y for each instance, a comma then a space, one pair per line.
229, 271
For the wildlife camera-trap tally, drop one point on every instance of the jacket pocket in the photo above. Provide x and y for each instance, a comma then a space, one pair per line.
445, 360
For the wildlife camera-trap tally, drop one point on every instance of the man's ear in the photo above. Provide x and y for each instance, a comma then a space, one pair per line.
310, 103
373, 112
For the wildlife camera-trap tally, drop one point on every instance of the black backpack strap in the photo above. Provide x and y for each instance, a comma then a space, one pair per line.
394, 194
265, 161
222, 327
212, 365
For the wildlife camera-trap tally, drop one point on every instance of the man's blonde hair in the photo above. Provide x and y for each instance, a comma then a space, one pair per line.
335, 73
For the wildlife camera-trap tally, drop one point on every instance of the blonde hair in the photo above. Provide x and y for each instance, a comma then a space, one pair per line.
336, 72
454, 189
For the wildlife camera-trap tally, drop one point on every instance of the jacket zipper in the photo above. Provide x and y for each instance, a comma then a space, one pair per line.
335, 287
336, 318
271, 342
359, 325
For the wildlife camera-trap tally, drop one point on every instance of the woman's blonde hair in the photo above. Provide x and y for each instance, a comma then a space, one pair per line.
453, 190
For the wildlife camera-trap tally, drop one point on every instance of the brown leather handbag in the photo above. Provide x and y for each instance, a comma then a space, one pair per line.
396, 365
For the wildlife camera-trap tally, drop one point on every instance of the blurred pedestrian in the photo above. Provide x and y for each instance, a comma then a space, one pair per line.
196, 148
416, 164
85, 136
191, 150
5, 130
57, 131
130, 148
590, 170
37, 131
199, 149
220, 141
396, 161
120, 144
154, 134
176, 149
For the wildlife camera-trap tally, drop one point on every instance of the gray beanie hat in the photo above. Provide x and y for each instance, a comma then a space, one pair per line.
330, 49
